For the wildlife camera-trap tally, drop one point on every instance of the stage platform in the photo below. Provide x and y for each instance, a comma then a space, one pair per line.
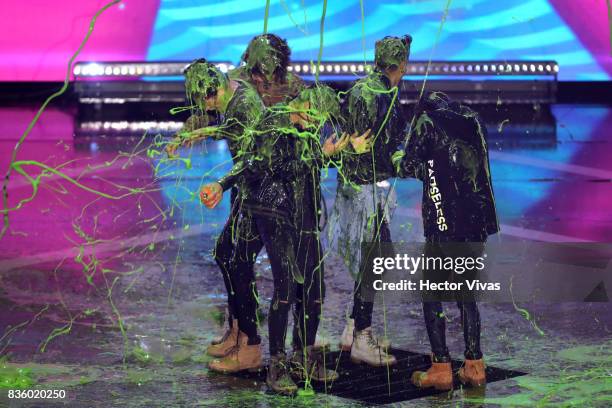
384, 385
551, 172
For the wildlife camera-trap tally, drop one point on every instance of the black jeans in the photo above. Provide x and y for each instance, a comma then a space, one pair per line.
435, 321
223, 253
235, 253
363, 295
278, 236
310, 294
242, 239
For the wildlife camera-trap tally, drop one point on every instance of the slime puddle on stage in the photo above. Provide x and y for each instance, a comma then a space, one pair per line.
102, 296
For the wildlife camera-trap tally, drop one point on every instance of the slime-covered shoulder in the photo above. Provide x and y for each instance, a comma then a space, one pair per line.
243, 110
366, 104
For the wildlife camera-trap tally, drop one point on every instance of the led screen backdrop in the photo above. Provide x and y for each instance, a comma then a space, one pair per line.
39, 35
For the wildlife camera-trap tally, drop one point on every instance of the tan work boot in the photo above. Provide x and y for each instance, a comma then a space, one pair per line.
223, 347
226, 327
473, 373
366, 349
439, 376
309, 363
241, 357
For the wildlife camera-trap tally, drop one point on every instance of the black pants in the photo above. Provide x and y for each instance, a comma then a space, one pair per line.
435, 321
278, 236
310, 294
235, 253
363, 304
223, 254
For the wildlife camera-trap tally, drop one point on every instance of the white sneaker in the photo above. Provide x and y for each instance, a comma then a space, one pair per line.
366, 349
384, 342
346, 341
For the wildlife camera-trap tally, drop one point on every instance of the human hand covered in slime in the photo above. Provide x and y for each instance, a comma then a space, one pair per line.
211, 194
188, 139
180, 138
171, 149
363, 143
334, 145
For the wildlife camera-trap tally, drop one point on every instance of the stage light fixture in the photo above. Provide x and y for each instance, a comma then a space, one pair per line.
96, 69
122, 126
348, 69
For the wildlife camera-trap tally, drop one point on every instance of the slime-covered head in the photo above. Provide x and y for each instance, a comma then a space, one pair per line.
203, 80
391, 52
318, 104
267, 55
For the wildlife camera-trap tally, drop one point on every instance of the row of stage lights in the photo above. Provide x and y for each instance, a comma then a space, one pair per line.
136, 69
437, 68
125, 126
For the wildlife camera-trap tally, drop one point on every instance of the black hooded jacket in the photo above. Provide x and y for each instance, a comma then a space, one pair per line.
447, 150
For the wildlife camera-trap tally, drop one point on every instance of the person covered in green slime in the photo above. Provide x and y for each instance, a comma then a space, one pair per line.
365, 199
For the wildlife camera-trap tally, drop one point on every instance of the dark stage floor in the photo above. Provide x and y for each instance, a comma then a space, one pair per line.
113, 254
